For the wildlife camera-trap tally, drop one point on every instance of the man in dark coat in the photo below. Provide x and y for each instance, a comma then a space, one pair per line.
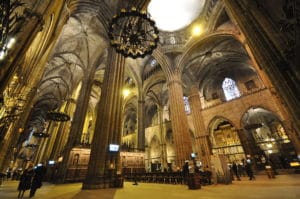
25, 180
236, 171
39, 173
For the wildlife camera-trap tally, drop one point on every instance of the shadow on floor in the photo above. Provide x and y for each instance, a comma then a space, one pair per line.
95, 194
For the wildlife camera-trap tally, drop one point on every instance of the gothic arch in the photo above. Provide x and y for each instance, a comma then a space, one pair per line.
197, 43
225, 139
251, 107
155, 148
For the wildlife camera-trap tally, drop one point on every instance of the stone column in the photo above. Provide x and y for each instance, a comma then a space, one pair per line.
104, 165
164, 163
57, 146
201, 135
247, 141
5, 152
266, 43
39, 152
180, 128
77, 124
141, 125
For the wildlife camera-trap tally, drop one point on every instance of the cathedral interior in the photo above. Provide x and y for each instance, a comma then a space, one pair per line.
99, 89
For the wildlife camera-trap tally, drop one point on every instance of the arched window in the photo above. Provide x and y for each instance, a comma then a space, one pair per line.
187, 107
230, 89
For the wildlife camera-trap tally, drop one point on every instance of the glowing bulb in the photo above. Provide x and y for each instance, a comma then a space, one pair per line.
270, 151
11, 42
2, 54
269, 145
197, 30
126, 92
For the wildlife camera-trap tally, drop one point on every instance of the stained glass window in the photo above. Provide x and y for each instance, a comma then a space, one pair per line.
230, 89
187, 107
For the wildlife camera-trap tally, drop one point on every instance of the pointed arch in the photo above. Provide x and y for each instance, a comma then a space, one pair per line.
230, 89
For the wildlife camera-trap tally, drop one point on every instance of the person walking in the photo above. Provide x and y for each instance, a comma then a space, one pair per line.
25, 180
236, 171
269, 169
249, 170
39, 174
185, 172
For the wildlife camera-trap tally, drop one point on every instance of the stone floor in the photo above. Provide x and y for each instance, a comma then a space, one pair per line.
282, 187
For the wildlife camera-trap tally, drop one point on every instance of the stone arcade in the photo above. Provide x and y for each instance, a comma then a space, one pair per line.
224, 84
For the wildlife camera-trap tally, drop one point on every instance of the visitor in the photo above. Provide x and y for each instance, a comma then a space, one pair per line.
39, 174
185, 171
249, 170
8, 174
25, 180
236, 171
269, 169
208, 175
241, 169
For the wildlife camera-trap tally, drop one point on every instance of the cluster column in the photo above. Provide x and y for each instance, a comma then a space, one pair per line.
201, 135
82, 103
60, 138
141, 126
105, 165
181, 134
163, 156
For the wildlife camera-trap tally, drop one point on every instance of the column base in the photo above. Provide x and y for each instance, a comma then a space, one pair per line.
103, 182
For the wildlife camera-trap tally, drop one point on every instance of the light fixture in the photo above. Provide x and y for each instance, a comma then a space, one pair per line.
126, 92
31, 146
270, 151
57, 116
197, 30
10, 22
132, 33
269, 145
6, 120
10, 43
13, 102
40, 135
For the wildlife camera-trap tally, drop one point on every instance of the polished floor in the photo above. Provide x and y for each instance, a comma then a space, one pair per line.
282, 187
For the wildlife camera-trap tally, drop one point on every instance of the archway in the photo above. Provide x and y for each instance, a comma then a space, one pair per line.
155, 154
225, 140
269, 141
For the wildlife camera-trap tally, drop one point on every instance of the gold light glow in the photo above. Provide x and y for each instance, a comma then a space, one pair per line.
197, 30
294, 164
269, 145
2, 55
270, 151
126, 92
11, 42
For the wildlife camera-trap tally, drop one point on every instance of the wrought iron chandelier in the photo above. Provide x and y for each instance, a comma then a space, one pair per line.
133, 34
40, 135
31, 146
57, 116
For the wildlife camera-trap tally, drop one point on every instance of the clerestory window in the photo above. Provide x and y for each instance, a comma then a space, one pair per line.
230, 89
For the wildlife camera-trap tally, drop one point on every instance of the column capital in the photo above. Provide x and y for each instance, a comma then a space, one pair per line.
202, 136
194, 91
174, 81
